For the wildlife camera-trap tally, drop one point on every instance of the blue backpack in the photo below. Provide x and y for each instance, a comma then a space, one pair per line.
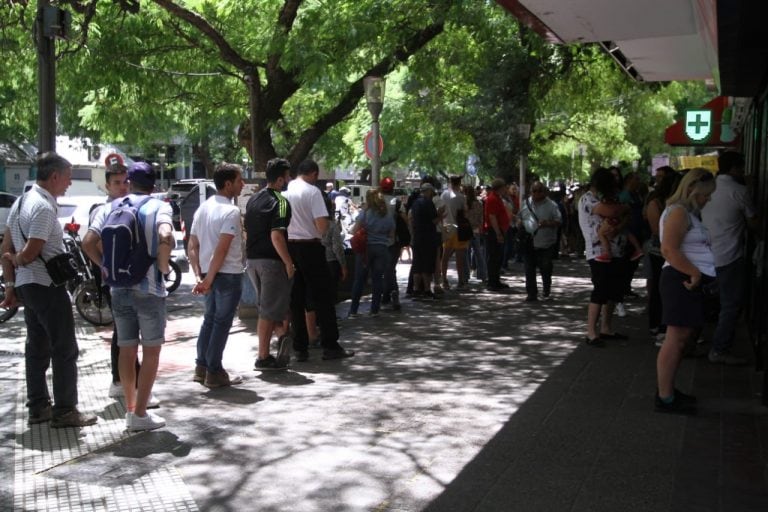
125, 251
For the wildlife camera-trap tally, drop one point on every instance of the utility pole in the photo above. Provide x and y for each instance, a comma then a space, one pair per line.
46, 79
51, 22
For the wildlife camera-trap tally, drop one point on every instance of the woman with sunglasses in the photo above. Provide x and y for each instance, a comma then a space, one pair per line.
689, 266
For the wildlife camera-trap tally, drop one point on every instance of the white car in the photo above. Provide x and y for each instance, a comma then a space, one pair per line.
76, 210
6, 201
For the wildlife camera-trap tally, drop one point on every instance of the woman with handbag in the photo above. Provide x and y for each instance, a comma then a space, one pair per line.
689, 268
379, 228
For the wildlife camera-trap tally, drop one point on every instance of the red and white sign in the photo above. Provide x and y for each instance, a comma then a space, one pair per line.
112, 159
369, 149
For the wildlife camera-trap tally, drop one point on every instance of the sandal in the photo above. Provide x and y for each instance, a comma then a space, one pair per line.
594, 342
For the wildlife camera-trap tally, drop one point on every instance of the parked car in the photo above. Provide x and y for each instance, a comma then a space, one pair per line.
6, 201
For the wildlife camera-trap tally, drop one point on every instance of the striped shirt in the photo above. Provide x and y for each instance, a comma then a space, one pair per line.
37, 219
151, 215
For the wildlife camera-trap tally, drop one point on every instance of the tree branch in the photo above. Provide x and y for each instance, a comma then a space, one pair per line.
355, 92
284, 26
227, 52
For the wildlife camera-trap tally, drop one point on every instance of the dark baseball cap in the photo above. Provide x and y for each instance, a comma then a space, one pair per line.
142, 174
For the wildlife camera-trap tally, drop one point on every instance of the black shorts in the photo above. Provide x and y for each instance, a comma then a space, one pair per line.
680, 306
607, 281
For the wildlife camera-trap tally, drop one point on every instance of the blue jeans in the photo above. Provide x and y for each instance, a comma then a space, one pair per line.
378, 261
220, 306
358, 283
476, 255
732, 280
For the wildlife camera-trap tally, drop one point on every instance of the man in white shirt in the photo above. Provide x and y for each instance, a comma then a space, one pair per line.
727, 216
312, 279
216, 258
454, 202
32, 236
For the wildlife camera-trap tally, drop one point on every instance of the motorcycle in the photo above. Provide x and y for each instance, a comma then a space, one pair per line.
91, 297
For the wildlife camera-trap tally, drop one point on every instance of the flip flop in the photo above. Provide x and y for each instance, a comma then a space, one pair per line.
594, 342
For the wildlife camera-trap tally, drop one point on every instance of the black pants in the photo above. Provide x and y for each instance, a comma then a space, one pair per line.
50, 342
494, 251
312, 282
541, 259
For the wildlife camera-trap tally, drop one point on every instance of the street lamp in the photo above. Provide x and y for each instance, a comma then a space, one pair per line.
524, 130
374, 97
582, 151
161, 156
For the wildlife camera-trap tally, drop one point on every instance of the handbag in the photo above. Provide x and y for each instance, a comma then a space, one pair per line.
524, 238
359, 241
62, 268
464, 228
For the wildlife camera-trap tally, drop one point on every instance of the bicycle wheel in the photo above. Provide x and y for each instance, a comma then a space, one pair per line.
5, 313
173, 277
92, 304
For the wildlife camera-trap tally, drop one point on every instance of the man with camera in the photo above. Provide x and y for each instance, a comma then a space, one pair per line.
33, 240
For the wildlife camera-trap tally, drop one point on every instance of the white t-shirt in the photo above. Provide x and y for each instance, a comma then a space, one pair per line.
589, 222
453, 201
725, 217
215, 217
306, 205
696, 243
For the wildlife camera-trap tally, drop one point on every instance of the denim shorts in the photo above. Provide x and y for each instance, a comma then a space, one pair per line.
138, 313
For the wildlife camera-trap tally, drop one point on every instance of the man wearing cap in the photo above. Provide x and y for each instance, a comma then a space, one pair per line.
139, 310
32, 236
216, 258
116, 183
312, 279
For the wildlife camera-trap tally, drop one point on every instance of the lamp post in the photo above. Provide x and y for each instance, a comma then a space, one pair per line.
582, 151
374, 97
524, 130
161, 156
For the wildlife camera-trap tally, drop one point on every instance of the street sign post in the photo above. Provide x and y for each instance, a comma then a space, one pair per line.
368, 143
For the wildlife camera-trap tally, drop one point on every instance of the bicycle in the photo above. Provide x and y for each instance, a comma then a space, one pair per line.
91, 298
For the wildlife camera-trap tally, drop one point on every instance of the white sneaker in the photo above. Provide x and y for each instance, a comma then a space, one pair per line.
620, 310
153, 402
116, 390
135, 423
660, 339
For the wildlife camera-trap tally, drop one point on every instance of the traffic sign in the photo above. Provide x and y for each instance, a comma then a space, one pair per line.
368, 143
112, 159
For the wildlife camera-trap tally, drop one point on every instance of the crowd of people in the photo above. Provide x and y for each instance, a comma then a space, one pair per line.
688, 226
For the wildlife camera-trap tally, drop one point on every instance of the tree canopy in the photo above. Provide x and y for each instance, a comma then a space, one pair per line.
287, 76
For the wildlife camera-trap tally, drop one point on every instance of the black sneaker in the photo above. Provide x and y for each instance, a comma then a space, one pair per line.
684, 397
676, 406
269, 363
338, 353
284, 344
73, 418
40, 414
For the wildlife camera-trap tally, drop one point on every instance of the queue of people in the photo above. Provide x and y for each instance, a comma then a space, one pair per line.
291, 237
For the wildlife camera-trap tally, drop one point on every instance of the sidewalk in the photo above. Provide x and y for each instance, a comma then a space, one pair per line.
476, 402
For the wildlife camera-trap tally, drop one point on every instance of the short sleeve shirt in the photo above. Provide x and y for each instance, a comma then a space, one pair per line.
218, 216
589, 222
423, 213
152, 214
454, 201
307, 204
725, 217
495, 206
36, 219
266, 211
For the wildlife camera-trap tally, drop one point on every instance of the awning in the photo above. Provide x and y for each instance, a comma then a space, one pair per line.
712, 125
